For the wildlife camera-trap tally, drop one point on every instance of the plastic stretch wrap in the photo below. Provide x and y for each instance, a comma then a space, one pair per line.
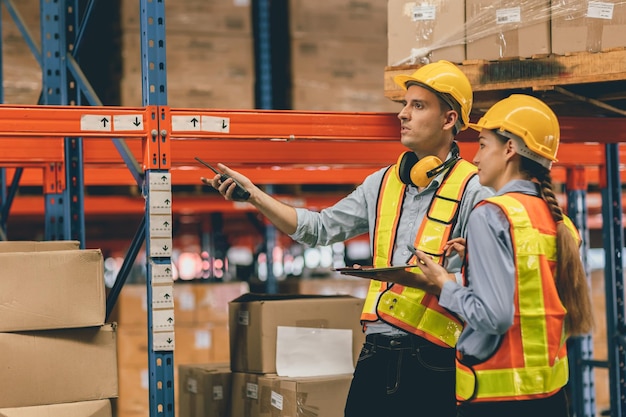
437, 25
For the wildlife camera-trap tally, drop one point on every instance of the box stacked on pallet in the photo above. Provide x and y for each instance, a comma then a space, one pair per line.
209, 54
21, 73
52, 331
291, 354
422, 31
580, 26
338, 48
201, 328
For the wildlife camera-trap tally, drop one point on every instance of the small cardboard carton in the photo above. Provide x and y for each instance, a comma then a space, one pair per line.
204, 390
245, 395
254, 319
301, 397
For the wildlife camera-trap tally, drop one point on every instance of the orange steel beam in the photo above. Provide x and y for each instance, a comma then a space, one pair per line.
29, 151
335, 175
75, 121
211, 202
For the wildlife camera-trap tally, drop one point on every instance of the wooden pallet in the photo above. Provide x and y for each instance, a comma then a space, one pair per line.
576, 84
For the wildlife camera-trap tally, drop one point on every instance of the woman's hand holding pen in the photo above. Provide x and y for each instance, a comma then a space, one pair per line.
435, 274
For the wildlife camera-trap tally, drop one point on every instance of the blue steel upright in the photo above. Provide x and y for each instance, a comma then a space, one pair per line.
64, 214
580, 348
613, 242
157, 183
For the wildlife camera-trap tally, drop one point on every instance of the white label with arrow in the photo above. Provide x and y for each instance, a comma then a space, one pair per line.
161, 273
215, 124
128, 122
186, 123
163, 319
160, 247
163, 296
161, 225
95, 122
160, 181
160, 202
163, 341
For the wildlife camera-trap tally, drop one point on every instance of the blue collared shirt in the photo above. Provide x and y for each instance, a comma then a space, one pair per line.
487, 303
355, 215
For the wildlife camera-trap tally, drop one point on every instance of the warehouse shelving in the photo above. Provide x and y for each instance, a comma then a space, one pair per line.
65, 145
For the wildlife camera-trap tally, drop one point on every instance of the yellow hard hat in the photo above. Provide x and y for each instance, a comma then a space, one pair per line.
528, 118
443, 77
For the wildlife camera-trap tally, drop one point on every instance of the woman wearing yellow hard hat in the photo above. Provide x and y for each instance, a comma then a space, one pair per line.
524, 286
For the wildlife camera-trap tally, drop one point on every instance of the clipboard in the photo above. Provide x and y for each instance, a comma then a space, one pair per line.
372, 270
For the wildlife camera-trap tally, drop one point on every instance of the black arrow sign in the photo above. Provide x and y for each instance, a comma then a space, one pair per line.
136, 122
104, 121
224, 124
194, 121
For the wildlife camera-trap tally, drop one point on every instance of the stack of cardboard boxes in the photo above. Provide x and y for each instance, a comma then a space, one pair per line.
252, 386
201, 330
209, 54
338, 51
60, 357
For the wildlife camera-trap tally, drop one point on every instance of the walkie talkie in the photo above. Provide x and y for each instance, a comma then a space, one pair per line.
240, 193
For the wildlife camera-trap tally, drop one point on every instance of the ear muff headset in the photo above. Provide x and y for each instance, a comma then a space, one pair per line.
419, 172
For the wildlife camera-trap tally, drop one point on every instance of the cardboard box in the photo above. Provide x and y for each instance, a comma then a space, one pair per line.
51, 290
254, 319
300, 397
204, 390
219, 70
212, 300
97, 408
226, 17
134, 397
245, 395
58, 366
425, 31
345, 19
131, 308
202, 344
589, 26
38, 246
507, 28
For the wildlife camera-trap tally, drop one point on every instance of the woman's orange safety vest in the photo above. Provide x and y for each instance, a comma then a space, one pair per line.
412, 309
531, 361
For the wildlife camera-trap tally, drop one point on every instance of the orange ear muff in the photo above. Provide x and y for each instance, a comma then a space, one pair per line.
406, 162
420, 171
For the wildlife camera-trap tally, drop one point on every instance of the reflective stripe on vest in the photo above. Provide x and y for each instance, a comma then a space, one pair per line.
411, 309
531, 361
